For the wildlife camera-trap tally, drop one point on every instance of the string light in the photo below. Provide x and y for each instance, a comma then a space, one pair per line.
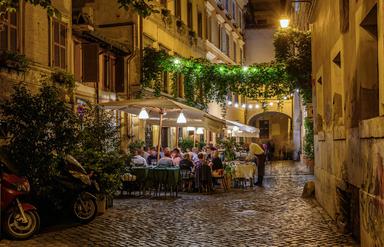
236, 105
243, 105
250, 106
229, 102
176, 61
245, 68
257, 106
271, 103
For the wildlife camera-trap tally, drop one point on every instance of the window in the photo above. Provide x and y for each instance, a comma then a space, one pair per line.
241, 56
164, 3
227, 5
368, 65
189, 14
77, 55
344, 15
224, 41
109, 75
59, 44
177, 4
234, 10
234, 52
209, 29
9, 38
200, 25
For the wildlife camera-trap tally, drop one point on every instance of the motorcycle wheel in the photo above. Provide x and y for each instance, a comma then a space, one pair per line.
16, 229
85, 210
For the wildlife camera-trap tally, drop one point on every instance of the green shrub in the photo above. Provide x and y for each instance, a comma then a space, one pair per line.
186, 144
309, 139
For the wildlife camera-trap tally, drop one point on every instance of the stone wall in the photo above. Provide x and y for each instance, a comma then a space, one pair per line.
348, 75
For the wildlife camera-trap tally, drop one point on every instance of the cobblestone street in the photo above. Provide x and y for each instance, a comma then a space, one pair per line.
275, 215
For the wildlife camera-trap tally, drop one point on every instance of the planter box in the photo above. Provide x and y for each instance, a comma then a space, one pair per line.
101, 205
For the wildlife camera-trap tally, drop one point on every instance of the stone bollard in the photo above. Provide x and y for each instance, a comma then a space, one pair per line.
309, 189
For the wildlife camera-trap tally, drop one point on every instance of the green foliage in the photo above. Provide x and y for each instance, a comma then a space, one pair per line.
13, 61
108, 167
293, 48
39, 125
63, 78
137, 144
205, 82
99, 130
143, 8
308, 147
229, 145
43, 129
186, 144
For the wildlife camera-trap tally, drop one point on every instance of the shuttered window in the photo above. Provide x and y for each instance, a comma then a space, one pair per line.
59, 44
90, 62
9, 38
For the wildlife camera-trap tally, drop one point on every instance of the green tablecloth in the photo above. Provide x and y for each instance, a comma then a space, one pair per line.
153, 175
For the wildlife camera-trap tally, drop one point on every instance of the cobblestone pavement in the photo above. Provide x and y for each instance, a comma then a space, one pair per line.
275, 215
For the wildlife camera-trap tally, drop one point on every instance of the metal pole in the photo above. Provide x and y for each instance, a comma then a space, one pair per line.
159, 136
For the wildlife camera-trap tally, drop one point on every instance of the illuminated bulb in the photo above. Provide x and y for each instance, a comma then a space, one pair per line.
235, 129
236, 105
271, 103
143, 114
190, 128
284, 23
229, 102
257, 106
285, 97
181, 118
176, 61
243, 105
297, 90
200, 131
245, 68
250, 106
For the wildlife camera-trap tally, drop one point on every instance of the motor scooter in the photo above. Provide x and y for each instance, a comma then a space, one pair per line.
20, 220
81, 189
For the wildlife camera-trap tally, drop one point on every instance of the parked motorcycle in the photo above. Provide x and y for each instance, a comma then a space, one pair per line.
20, 219
81, 189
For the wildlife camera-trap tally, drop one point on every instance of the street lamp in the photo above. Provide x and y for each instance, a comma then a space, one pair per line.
143, 114
181, 119
284, 22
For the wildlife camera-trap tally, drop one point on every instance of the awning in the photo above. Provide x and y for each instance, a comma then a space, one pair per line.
172, 109
242, 130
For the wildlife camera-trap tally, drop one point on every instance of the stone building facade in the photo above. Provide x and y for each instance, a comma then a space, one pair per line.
100, 44
348, 83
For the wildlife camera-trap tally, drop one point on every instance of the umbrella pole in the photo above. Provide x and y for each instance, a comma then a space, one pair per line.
159, 137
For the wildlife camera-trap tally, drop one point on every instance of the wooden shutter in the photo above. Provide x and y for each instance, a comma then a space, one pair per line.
90, 62
119, 74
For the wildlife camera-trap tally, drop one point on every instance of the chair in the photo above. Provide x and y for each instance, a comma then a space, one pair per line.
187, 180
218, 175
205, 179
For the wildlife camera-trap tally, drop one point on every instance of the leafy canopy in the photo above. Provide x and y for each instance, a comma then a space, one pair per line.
205, 82
142, 7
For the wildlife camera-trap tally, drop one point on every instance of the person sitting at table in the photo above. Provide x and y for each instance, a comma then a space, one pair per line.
152, 158
186, 163
216, 166
203, 176
166, 161
195, 152
138, 159
176, 157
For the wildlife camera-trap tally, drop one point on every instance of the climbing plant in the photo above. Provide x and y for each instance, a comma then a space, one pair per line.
143, 8
293, 49
205, 82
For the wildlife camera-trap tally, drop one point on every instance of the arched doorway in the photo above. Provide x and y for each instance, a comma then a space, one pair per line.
275, 128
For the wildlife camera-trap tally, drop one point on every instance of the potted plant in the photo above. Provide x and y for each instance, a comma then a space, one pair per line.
66, 81
186, 144
166, 16
180, 25
192, 36
13, 61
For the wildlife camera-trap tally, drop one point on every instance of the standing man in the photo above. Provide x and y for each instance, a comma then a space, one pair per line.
257, 154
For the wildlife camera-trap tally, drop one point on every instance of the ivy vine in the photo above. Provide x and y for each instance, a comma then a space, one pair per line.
205, 82
293, 49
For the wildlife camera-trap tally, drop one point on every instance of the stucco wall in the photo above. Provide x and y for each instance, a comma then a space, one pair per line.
259, 46
349, 147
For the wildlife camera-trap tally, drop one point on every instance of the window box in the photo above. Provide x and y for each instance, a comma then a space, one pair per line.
13, 61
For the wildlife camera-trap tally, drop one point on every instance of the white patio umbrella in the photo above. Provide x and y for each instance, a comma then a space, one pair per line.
242, 130
162, 109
